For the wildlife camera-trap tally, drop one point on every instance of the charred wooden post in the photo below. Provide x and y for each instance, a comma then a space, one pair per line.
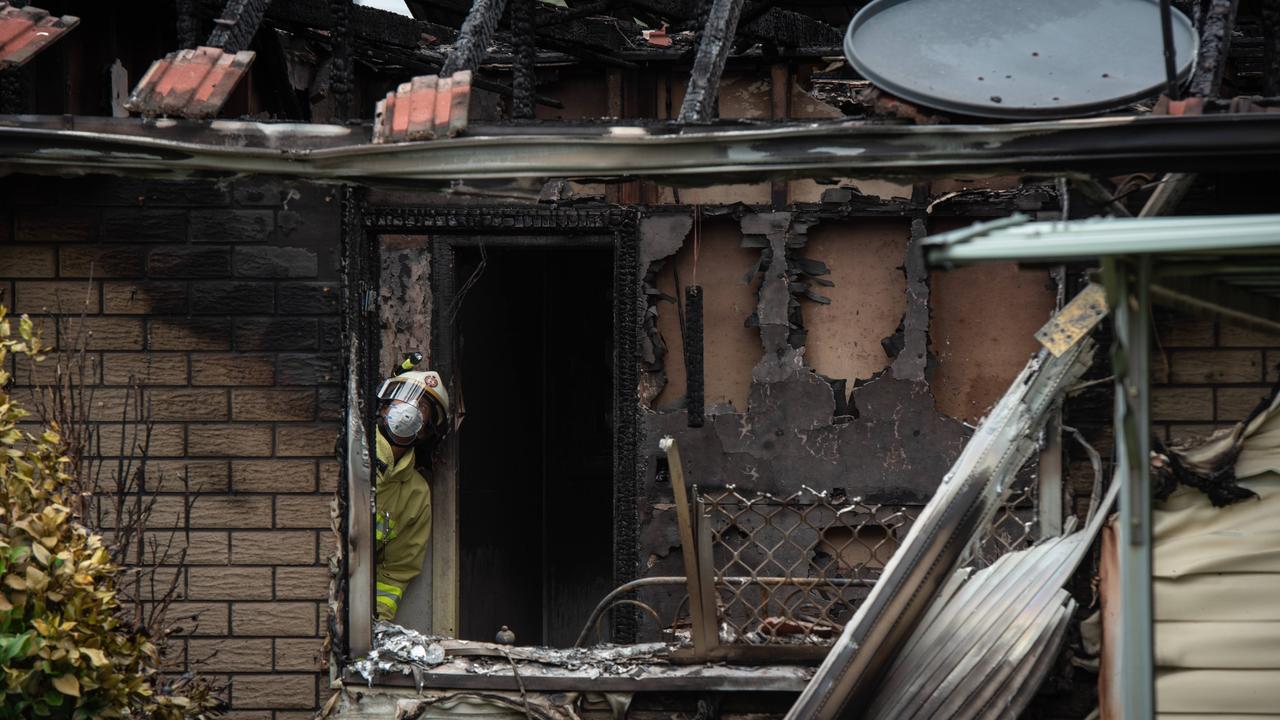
1271, 48
713, 50
595, 8
1215, 46
341, 72
693, 347
473, 40
188, 25
234, 30
526, 52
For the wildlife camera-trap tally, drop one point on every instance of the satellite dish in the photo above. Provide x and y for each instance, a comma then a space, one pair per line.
1017, 58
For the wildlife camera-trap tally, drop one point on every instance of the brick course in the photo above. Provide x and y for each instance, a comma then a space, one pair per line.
1208, 374
222, 306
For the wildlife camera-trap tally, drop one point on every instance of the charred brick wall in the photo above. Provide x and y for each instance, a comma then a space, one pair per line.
221, 302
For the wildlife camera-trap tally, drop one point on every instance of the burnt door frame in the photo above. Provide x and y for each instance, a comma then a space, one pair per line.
449, 228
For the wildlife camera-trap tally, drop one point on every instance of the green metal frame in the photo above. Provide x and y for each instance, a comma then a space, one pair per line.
1224, 266
1128, 283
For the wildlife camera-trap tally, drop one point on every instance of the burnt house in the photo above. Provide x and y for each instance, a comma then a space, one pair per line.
604, 224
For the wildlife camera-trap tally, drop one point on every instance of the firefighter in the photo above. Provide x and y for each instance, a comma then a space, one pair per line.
413, 415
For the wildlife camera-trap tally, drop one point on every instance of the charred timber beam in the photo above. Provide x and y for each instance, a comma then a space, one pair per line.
341, 71
422, 63
596, 8
234, 30
1215, 46
713, 50
365, 23
582, 53
1271, 47
473, 39
188, 25
568, 26
780, 27
522, 70
693, 355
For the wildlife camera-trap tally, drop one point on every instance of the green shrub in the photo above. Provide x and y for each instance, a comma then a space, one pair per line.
66, 649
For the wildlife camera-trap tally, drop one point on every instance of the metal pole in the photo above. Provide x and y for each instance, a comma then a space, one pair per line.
1128, 282
1170, 60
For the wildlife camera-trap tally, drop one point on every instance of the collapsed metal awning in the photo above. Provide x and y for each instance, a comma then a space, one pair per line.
1225, 265
701, 154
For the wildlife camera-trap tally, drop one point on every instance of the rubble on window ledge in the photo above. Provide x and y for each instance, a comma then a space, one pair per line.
400, 650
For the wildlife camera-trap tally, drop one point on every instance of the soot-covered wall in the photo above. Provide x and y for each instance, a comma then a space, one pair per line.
812, 384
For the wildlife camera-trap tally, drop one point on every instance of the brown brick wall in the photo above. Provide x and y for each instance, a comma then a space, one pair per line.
221, 301
1207, 375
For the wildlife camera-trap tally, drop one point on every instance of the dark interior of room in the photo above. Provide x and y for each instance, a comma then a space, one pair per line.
535, 479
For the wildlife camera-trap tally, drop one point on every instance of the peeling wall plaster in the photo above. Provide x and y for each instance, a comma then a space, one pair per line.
890, 445
984, 321
867, 300
731, 348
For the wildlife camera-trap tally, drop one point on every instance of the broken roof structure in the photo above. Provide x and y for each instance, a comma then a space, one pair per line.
743, 301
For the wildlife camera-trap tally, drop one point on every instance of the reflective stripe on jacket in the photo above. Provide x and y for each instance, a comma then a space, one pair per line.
402, 526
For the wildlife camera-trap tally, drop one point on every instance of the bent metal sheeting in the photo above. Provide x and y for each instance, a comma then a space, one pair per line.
697, 154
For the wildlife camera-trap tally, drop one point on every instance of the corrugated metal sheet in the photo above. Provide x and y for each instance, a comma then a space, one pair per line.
425, 108
989, 639
26, 31
189, 83
925, 563
1216, 574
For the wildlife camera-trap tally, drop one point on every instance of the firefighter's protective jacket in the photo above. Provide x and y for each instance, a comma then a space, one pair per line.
402, 525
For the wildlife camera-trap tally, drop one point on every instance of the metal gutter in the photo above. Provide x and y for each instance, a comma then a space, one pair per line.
1017, 238
714, 154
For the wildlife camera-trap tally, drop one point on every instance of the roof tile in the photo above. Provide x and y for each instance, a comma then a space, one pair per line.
26, 31
189, 83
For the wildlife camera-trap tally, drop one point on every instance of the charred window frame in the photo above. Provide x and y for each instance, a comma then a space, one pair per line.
446, 229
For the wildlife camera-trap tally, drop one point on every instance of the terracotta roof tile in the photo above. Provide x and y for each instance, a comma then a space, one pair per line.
189, 83
26, 31
424, 108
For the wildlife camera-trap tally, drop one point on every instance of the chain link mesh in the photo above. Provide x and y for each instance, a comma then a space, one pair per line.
794, 569
1015, 526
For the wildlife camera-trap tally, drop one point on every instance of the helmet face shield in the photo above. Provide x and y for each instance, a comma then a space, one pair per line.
414, 390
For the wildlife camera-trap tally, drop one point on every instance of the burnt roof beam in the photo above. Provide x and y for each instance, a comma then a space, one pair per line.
1215, 46
713, 50
365, 23
596, 8
780, 27
1270, 12
235, 28
473, 40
